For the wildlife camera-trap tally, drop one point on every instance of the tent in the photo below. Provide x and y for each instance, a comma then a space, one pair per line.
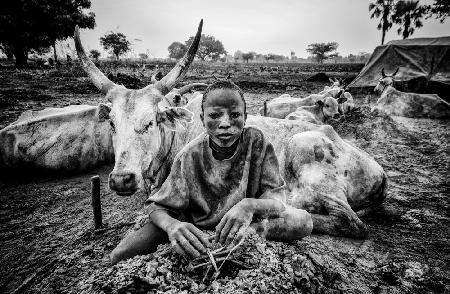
424, 65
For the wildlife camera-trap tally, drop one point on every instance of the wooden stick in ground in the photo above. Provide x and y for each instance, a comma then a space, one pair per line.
96, 204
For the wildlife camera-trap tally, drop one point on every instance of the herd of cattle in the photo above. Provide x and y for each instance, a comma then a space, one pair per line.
142, 131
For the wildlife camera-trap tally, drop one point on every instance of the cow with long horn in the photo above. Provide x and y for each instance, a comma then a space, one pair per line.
137, 112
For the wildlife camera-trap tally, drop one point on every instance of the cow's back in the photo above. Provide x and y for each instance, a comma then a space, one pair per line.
321, 166
413, 105
72, 138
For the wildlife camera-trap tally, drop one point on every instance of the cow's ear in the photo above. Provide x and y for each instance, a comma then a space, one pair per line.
172, 117
342, 100
319, 102
103, 111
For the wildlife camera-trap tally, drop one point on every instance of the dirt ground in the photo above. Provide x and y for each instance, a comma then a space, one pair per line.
48, 244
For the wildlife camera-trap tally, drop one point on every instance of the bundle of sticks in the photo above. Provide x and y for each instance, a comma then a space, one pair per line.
215, 259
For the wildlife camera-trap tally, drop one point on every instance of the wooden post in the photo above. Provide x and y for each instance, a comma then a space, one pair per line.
265, 108
96, 204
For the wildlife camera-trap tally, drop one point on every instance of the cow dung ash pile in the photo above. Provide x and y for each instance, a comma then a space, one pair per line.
259, 266
362, 123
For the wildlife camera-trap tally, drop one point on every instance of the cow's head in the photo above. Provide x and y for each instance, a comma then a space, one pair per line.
329, 106
384, 81
335, 83
137, 119
176, 98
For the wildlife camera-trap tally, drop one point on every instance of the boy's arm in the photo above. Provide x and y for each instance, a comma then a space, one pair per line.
238, 218
184, 237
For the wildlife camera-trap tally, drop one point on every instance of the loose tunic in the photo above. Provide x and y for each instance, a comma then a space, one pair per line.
201, 189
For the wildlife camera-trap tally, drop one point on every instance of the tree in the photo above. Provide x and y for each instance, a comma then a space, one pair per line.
238, 56
116, 43
95, 54
209, 48
143, 56
408, 14
440, 9
247, 56
322, 51
177, 50
34, 24
383, 8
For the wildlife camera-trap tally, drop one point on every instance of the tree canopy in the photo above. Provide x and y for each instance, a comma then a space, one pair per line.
322, 51
408, 15
95, 54
116, 43
209, 48
247, 56
34, 24
177, 50
382, 9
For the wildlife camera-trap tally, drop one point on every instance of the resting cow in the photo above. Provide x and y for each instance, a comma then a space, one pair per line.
327, 176
335, 84
281, 106
415, 105
318, 113
73, 138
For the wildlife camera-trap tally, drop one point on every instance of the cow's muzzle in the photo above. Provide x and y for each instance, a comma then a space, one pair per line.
336, 115
123, 183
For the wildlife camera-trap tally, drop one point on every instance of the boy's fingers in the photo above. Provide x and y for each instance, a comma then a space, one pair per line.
219, 228
178, 248
192, 238
232, 232
240, 235
188, 248
202, 237
224, 231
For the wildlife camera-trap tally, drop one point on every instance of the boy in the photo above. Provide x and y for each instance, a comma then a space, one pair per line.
224, 179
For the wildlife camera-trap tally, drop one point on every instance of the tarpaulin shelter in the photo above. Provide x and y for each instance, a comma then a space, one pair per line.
424, 61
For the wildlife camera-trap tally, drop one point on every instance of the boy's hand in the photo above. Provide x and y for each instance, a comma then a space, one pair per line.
234, 223
187, 239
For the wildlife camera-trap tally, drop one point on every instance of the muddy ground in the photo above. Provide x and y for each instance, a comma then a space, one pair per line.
48, 244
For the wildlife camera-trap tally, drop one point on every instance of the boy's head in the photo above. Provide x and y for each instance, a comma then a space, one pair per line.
223, 112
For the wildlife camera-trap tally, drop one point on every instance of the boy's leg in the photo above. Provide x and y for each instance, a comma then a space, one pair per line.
292, 224
143, 241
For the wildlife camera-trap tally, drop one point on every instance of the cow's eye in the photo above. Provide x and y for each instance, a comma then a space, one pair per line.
113, 128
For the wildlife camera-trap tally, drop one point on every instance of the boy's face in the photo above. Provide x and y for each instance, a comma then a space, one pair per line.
223, 116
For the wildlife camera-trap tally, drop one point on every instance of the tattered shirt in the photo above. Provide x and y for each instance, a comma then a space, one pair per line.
201, 189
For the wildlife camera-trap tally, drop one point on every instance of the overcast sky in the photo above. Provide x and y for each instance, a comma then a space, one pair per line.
262, 26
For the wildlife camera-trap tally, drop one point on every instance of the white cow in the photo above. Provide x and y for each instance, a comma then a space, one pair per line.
318, 113
326, 175
281, 106
335, 83
415, 105
73, 138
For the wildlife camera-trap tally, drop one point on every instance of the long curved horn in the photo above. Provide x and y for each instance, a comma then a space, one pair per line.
179, 71
189, 87
97, 77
